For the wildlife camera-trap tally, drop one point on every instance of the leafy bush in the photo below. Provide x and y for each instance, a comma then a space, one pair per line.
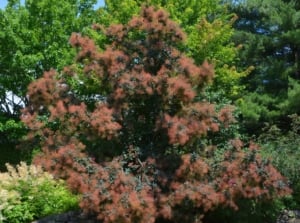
283, 147
27, 193
11, 132
9, 154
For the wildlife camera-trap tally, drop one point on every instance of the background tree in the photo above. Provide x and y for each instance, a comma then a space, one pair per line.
268, 31
34, 38
132, 146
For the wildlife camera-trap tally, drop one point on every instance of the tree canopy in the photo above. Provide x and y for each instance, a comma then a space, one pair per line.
34, 39
268, 31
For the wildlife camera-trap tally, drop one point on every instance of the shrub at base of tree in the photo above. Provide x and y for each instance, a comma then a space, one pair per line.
124, 128
28, 193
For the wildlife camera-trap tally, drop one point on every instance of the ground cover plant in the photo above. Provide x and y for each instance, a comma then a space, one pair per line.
125, 127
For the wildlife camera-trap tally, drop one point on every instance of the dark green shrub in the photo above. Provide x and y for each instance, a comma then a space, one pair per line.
283, 147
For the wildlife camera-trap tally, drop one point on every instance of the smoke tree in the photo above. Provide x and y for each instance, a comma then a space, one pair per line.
124, 127
209, 29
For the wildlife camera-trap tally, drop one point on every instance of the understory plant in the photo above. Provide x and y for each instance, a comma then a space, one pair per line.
27, 193
283, 147
129, 128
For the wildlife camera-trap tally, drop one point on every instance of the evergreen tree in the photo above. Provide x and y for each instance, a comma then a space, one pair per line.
268, 31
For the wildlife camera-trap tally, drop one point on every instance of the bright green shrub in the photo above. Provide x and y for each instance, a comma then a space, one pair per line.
28, 193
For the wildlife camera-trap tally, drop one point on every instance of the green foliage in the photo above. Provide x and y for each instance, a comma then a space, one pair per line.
11, 132
258, 109
9, 153
34, 38
208, 25
28, 193
13, 129
284, 150
250, 211
267, 30
232, 131
291, 103
267, 33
